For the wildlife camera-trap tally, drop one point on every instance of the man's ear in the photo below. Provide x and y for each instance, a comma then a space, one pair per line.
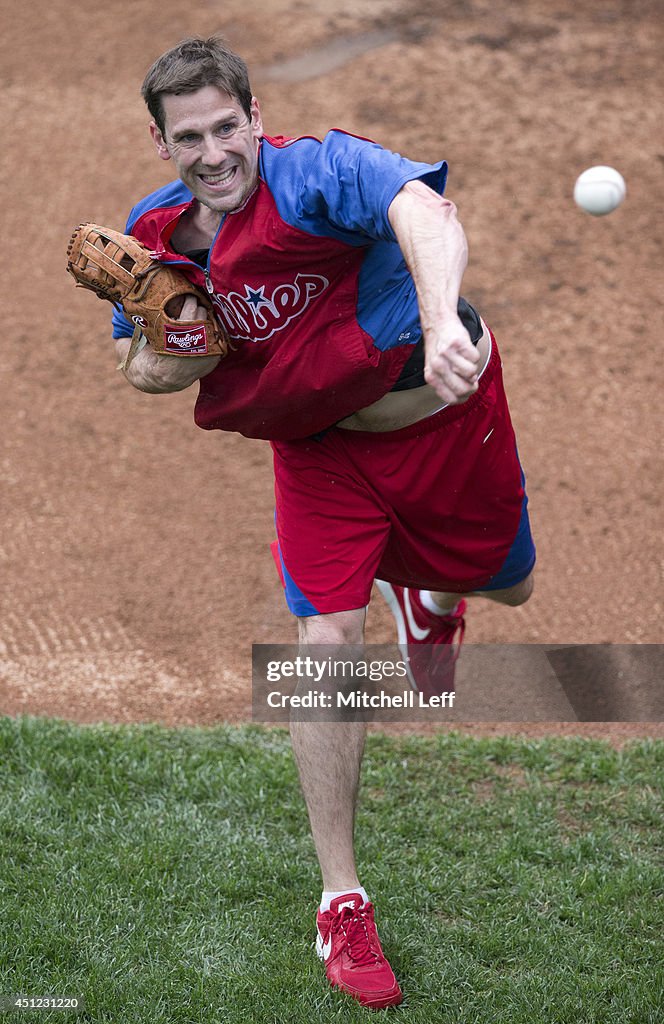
256, 119
159, 141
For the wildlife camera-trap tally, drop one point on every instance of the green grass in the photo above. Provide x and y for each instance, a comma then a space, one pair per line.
169, 876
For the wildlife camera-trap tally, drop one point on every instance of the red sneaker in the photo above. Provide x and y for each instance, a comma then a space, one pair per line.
349, 946
427, 641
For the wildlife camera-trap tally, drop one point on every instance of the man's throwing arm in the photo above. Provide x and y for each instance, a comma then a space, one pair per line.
434, 247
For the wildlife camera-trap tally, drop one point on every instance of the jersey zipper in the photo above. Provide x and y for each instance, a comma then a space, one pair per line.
209, 287
208, 281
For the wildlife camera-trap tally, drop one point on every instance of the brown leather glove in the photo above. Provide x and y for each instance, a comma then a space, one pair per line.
122, 270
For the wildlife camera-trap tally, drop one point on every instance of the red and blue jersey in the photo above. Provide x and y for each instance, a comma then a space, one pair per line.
308, 280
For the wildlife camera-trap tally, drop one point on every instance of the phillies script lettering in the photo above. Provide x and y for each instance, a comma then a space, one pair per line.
255, 316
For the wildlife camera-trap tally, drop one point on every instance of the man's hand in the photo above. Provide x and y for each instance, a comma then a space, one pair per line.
452, 362
162, 374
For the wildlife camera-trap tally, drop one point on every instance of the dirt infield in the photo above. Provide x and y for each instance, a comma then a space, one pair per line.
134, 547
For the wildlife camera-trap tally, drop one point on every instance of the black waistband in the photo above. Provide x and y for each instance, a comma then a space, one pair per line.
412, 375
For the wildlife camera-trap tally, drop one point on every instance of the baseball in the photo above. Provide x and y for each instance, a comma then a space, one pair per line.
599, 190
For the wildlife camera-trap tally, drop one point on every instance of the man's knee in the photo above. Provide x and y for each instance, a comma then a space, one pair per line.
516, 595
342, 636
335, 628
512, 596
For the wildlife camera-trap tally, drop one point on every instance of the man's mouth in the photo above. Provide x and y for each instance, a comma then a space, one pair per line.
222, 178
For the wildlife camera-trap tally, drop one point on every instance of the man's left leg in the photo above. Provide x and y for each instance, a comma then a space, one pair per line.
328, 756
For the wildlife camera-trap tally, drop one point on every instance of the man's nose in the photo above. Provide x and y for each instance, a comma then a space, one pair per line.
213, 150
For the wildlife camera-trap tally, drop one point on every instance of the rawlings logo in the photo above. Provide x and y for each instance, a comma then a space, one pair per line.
140, 320
255, 316
185, 339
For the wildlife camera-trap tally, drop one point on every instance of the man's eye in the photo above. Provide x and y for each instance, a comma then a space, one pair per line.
227, 129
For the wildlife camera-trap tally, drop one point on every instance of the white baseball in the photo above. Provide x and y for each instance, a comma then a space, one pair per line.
599, 190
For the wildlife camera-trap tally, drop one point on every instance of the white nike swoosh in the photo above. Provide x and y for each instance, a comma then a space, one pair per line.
324, 948
417, 631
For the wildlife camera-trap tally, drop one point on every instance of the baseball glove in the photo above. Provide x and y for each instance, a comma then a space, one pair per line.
122, 270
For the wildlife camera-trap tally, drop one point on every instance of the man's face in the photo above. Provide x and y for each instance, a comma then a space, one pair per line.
213, 145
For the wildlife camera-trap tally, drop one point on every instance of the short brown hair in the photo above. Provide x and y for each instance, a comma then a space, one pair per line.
191, 65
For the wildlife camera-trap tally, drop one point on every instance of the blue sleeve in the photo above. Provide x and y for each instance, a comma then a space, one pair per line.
122, 328
351, 183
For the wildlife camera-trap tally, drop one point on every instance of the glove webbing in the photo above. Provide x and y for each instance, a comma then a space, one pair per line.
101, 258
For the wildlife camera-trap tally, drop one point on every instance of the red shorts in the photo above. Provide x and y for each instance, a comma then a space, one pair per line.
438, 505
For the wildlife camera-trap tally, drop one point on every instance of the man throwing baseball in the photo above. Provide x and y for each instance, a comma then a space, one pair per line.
334, 268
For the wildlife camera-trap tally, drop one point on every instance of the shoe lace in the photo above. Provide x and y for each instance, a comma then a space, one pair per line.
359, 931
